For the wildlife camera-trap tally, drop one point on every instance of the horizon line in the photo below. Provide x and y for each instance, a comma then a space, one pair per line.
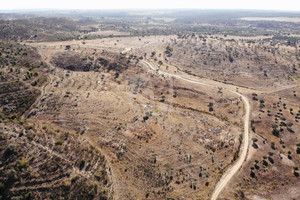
140, 9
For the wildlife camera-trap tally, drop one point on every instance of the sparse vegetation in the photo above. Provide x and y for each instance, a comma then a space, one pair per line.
66, 104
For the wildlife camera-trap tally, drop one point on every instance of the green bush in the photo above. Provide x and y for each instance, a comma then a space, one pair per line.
59, 142
23, 164
28, 196
1, 187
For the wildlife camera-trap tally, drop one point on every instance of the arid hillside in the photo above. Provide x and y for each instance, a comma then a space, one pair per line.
250, 63
169, 105
137, 119
42, 161
39, 160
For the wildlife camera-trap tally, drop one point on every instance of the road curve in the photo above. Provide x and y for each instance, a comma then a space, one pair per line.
244, 148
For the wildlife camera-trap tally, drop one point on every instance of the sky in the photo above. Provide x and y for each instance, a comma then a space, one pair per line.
292, 5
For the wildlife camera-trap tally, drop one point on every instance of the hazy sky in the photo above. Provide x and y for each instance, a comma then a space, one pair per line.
293, 5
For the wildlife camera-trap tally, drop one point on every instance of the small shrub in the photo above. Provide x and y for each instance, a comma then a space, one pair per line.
82, 163
271, 153
273, 146
59, 142
2, 187
252, 174
271, 160
276, 132
265, 163
23, 164
74, 179
145, 118
66, 135
28, 196
9, 151
255, 146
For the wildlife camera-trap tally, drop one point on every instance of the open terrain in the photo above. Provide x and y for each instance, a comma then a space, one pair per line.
143, 105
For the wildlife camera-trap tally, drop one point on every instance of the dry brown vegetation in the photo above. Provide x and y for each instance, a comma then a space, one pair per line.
241, 62
143, 131
87, 119
20, 79
272, 167
38, 161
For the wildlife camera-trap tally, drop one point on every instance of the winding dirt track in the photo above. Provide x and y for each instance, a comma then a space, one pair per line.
244, 148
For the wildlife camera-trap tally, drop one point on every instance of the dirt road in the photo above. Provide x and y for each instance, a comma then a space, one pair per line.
244, 148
